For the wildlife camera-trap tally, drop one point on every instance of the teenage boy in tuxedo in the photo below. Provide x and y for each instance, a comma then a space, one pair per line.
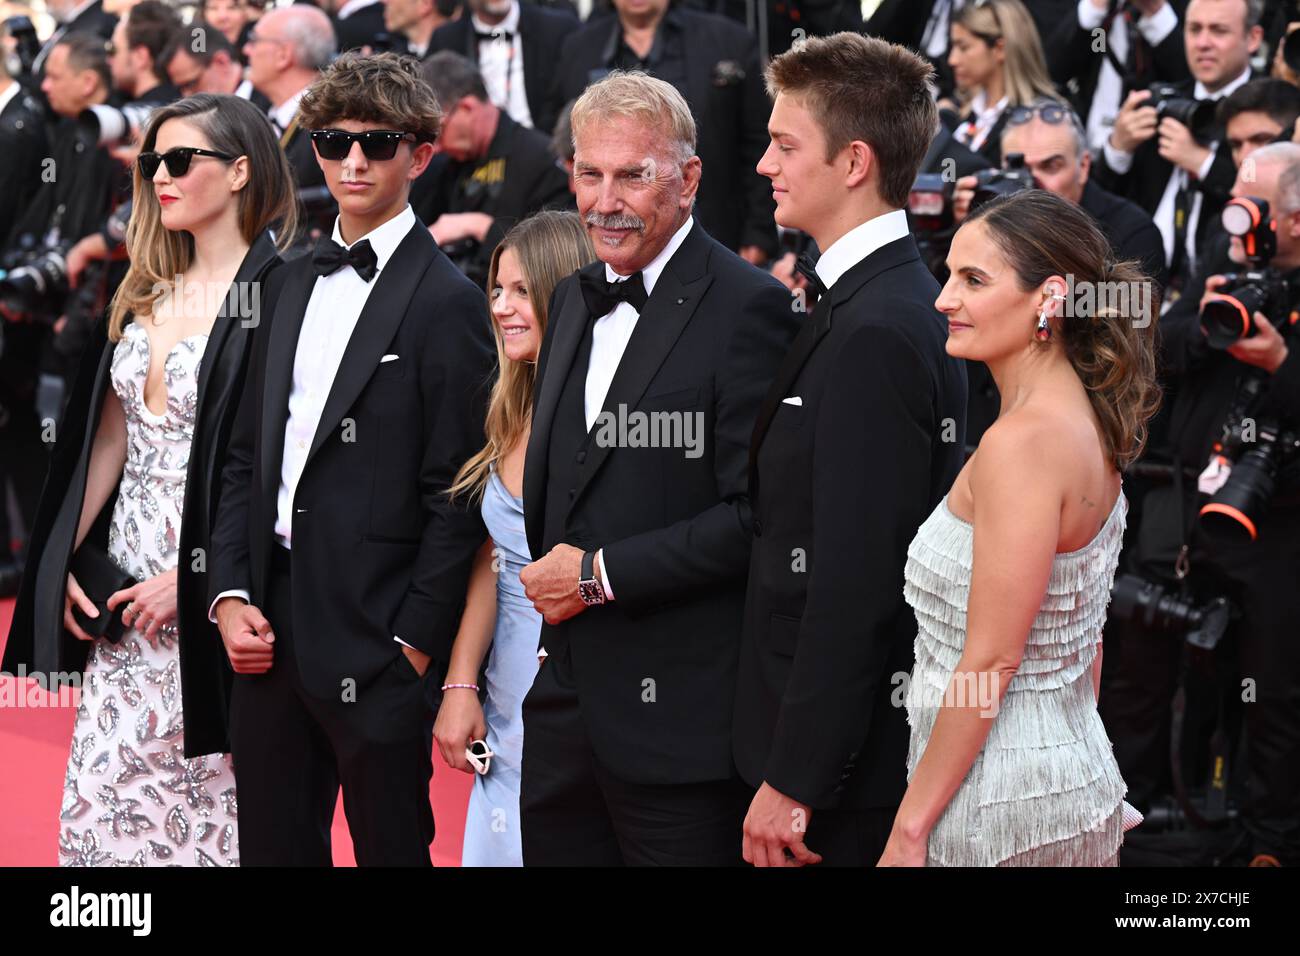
859, 437
339, 566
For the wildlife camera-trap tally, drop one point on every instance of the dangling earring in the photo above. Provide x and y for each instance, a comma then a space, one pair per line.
1043, 331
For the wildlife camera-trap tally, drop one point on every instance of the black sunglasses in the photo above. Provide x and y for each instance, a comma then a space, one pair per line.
177, 160
377, 144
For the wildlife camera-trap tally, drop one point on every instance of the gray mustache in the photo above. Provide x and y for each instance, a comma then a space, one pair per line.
624, 221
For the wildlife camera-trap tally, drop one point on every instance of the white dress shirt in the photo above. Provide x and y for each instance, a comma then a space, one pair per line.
974, 131
13, 90
858, 243
1122, 162
501, 62
244, 90
327, 325
1110, 87
283, 114
609, 338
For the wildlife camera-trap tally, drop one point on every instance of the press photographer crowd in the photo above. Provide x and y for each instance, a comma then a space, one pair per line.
729, 431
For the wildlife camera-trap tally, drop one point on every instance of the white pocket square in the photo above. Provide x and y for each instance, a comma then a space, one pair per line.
389, 358
792, 400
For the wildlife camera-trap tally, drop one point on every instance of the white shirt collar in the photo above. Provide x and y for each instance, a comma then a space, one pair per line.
284, 113
352, 6
9, 94
510, 24
385, 238
244, 90
858, 243
979, 105
1201, 93
650, 274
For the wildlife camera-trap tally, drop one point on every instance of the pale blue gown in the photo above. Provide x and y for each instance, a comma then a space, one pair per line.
492, 823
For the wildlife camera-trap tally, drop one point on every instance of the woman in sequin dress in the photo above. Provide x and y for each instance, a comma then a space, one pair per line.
1009, 763
131, 459
523, 272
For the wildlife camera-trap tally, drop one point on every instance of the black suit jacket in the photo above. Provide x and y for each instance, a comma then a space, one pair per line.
674, 529
378, 550
93, 19
839, 486
365, 27
542, 32
23, 144
724, 88
36, 637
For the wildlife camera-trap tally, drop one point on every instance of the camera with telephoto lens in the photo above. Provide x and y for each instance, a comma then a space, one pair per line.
1196, 115
26, 45
1155, 609
110, 125
34, 281
1260, 455
1013, 177
1228, 315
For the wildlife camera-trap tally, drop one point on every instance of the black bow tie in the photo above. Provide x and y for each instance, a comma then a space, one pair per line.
808, 269
480, 35
329, 257
602, 297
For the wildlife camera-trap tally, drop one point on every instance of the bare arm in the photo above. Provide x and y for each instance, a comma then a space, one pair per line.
1017, 512
460, 715
107, 458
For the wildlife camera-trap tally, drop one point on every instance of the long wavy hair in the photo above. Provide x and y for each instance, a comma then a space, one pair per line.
1024, 71
268, 200
549, 246
1112, 349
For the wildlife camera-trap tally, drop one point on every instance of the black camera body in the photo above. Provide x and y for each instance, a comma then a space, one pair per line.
34, 280
1014, 177
1229, 313
1196, 115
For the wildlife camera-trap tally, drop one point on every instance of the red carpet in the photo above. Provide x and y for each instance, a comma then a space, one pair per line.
34, 753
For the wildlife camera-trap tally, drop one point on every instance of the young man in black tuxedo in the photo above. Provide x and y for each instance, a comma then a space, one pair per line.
338, 565
858, 438
640, 534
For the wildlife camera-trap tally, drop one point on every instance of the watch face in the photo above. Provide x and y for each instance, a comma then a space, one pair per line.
591, 592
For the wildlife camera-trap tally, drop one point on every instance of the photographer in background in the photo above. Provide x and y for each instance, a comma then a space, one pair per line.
492, 173
1156, 161
1236, 528
1261, 112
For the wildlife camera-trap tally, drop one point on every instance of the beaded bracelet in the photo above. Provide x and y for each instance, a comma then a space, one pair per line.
473, 687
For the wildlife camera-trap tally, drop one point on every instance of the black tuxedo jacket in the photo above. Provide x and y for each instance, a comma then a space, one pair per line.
363, 28
542, 32
23, 144
1074, 59
675, 529
839, 486
378, 551
724, 88
1145, 182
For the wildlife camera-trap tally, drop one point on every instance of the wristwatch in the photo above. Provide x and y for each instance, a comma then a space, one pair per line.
590, 590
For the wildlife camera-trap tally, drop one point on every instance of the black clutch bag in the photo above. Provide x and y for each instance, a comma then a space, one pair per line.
100, 578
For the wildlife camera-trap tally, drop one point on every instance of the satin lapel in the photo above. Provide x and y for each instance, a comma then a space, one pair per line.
676, 296
383, 314
290, 307
567, 327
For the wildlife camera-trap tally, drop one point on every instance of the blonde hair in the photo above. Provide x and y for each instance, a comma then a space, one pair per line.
1024, 71
631, 94
549, 246
269, 198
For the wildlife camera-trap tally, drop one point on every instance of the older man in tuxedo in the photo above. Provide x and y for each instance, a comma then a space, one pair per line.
650, 377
